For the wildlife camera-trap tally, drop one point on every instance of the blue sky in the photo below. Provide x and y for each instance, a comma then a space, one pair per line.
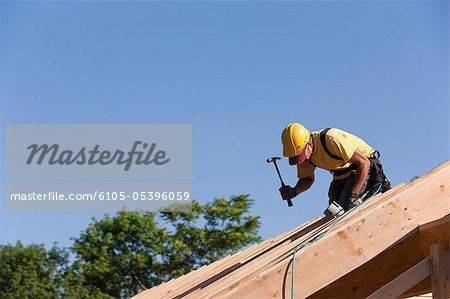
238, 72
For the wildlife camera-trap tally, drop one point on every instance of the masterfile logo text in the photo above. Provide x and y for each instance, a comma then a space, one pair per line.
99, 151
99, 168
54, 155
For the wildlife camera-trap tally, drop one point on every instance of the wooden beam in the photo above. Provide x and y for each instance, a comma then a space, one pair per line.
263, 263
270, 259
265, 271
239, 261
405, 281
438, 222
204, 276
439, 271
389, 264
195, 279
423, 287
354, 242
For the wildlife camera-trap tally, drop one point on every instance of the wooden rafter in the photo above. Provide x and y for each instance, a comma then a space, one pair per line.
392, 233
405, 281
355, 241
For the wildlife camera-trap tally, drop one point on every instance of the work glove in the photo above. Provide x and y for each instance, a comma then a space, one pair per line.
287, 192
353, 200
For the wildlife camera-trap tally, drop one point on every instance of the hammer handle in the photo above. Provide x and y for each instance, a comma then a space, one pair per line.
279, 174
290, 204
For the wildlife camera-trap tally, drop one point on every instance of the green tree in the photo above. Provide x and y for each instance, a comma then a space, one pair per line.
124, 254
119, 255
34, 272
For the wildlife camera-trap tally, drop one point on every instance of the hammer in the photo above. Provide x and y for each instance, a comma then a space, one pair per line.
274, 160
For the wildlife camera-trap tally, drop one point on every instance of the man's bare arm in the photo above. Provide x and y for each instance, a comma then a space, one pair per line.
304, 184
362, 170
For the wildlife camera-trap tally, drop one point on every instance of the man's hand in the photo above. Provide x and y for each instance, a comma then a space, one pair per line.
352, 197
287, 192
353, 200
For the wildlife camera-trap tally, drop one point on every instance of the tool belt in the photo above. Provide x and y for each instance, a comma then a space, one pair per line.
376, 174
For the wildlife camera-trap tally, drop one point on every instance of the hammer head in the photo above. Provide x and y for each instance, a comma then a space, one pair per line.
273, 159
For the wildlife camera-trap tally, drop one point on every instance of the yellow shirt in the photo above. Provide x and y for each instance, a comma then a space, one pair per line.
339, 143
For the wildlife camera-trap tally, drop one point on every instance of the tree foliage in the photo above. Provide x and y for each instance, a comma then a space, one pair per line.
119, 256
125, 254
34, 272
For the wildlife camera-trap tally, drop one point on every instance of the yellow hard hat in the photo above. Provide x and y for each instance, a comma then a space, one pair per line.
294, 139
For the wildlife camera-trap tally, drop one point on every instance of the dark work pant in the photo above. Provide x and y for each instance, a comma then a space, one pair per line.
340, 190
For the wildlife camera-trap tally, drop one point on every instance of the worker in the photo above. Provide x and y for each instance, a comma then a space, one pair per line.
355, 165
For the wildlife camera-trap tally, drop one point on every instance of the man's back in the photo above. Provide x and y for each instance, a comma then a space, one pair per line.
340, 144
